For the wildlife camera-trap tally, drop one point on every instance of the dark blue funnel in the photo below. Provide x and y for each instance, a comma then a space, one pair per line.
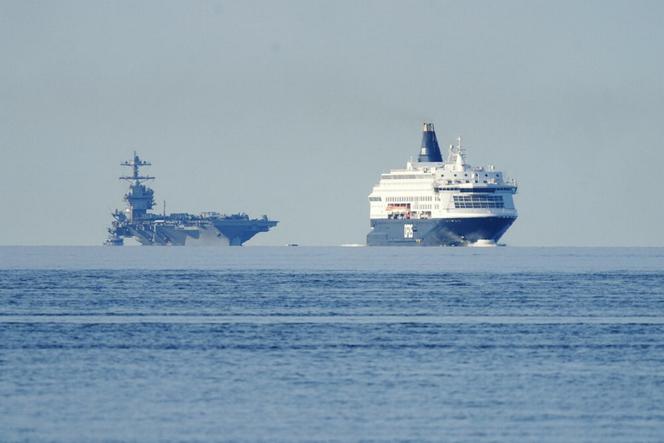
430, 152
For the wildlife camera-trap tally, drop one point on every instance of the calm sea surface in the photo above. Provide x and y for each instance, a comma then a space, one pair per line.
331, 344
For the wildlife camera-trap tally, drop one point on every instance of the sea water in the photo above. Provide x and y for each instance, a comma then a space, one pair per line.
271, 344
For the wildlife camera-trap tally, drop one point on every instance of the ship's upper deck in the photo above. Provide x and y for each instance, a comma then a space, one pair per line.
444, 188
454, 173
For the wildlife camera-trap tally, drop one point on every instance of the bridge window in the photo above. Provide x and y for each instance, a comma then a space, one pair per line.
473, 201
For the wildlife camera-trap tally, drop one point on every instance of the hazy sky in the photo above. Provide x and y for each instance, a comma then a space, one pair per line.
293, 109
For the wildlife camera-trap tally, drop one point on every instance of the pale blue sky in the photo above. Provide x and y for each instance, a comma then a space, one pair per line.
294, 109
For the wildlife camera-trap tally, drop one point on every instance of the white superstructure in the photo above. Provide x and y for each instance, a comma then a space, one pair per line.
442, 190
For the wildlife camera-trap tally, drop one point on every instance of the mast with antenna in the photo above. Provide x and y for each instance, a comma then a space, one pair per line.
140, 198
135, 164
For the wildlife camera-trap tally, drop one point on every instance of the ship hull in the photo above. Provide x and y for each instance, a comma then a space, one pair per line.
217, 232
459, 231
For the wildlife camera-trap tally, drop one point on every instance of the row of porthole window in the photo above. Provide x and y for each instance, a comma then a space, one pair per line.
450, 182
478, 198
471, 189
417, 198
405, 177
466, 175
477, 205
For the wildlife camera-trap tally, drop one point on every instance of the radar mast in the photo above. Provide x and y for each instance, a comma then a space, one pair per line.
135, 164
140, 198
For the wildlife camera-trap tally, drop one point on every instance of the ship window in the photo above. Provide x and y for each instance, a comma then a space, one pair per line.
474, 201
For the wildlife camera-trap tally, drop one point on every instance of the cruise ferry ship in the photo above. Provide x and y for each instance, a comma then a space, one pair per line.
436, 202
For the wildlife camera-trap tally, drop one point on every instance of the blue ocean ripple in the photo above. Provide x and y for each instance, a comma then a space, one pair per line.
279, 348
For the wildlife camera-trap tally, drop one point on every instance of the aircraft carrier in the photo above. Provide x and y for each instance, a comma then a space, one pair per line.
177, 229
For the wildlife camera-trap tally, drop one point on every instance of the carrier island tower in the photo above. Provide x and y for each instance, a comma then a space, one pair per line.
436, 202
178, 229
